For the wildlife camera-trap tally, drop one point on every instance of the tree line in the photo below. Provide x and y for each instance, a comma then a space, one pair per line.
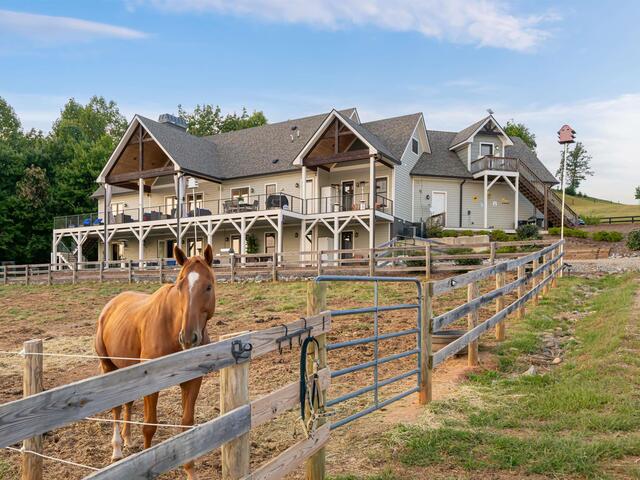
44, 175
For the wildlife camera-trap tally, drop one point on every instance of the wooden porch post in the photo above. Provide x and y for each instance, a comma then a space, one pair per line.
303, 189
372, 202
140, 212
546, 209
243, 239
486, 201
179, 186
280, 232
106, 213
516, 202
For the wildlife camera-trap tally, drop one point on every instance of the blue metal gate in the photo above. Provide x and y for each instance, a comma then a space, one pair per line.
374, 364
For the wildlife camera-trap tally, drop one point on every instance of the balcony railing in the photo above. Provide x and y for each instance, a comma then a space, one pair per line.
489, 162
347, 203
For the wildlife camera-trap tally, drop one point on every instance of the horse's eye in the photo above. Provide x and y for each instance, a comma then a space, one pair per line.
209, 288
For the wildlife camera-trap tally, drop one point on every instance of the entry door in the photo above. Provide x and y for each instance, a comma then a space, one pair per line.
235, 243
438, 203
311, 197
346, 243
348, 189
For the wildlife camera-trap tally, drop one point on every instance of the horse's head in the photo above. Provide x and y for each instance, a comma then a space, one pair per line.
196, 292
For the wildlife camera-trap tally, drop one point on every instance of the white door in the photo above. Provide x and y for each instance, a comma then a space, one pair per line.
438, 203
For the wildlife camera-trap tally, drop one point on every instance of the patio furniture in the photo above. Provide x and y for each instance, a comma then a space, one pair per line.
231, 206
277, 201
199, 212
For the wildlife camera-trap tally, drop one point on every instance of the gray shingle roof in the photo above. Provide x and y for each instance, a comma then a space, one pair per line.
441, 162
463, 135
395, 132
373, 140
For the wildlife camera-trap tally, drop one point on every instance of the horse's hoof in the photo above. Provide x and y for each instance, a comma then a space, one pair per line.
127, 442
116, 456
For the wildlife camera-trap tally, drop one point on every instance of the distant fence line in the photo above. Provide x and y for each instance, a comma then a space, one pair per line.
620, 219
414, 259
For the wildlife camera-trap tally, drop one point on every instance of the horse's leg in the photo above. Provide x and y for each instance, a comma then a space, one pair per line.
116, 440
190, 391
150, 416
126, 426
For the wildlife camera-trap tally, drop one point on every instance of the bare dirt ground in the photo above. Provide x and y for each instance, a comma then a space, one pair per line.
65, 316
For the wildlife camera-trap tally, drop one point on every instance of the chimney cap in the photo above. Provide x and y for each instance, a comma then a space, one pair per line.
173, 120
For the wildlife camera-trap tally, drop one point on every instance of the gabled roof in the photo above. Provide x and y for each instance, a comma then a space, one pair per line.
466, 134
443, 162
395, 132
371, 139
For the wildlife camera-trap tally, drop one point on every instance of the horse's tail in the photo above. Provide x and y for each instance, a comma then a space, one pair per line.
101, 349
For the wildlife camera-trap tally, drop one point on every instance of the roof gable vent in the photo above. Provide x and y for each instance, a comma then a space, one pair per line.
173, 120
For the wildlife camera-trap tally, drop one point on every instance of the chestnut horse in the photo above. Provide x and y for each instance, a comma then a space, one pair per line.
138, 325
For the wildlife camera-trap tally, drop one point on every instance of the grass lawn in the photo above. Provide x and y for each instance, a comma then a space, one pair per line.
601, 208
577, 420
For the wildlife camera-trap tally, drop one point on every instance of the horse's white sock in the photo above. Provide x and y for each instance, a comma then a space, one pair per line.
116, 443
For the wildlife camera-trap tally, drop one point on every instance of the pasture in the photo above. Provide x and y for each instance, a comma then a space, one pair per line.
65, 316
601, 208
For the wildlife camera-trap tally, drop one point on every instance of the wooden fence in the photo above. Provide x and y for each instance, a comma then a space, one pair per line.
27, 419
620, 219
535, 273
410, 259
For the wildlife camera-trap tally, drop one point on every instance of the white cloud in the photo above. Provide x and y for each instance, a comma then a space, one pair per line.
47, 29
487, 23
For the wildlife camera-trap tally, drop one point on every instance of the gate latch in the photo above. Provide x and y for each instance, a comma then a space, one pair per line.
240, 351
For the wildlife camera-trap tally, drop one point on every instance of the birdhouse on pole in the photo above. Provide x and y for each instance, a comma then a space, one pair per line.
566, 135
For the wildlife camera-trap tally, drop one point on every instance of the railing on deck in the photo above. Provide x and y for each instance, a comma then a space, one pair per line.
489, 162
347, 203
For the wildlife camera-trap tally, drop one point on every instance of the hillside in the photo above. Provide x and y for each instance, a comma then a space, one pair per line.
601, 208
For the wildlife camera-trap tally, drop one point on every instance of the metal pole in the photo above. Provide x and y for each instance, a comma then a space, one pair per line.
564, 189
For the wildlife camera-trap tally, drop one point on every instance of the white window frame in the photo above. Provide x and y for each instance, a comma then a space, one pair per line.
414, 139
493, 149
268, 185
275, 241
247, 187
190, 194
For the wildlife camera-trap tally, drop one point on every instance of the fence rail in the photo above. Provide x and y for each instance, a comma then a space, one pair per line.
620, 219
398, 259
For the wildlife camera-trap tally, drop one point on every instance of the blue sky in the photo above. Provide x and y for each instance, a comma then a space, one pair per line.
542, 63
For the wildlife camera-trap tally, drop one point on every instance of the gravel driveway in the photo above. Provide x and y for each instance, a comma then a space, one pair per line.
606, 265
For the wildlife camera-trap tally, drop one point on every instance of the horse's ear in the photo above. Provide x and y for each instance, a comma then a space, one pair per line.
208, 254
179, 255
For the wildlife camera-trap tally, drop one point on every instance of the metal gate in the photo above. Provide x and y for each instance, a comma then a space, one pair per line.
374, 364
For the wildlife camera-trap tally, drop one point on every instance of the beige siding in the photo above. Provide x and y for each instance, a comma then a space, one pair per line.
424, 186
402, 187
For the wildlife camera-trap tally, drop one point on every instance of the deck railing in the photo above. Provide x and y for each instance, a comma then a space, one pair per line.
347, 203
489, 162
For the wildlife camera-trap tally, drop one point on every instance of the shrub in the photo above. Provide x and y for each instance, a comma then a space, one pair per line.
605, 236
591, 220
507, 249
528, 232
633, 240
450, 233
464, 261
501, 236
433, 231
413, 253
569, 232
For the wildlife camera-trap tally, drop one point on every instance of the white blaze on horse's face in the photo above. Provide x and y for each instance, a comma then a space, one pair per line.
196, 296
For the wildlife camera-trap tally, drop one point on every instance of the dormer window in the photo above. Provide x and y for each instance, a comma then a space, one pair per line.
486, 149
414, 146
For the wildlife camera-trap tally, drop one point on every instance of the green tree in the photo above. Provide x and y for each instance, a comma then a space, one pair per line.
208, 120
638, 193
578, 167
520, 130
10, 126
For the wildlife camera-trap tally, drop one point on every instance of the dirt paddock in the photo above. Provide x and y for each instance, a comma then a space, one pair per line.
65, 316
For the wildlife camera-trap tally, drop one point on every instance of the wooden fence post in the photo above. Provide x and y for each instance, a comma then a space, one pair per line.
130, 271
101, 272
319, 262
500, 326
49, 279
534, 280
372, 262
492, 253
472, 322
274, 267
160, 273
234, 393
4, 274
32, 383
232, 263
74, 273
521, 291
27, 270
426, 339
427, 261
545, 289
554, 280
316, 303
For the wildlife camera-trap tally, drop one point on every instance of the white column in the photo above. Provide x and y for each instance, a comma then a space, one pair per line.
243, 238
517, 199
486, 203
107, 217
303, 189
79, 242
140, 217
372, 201
280, 233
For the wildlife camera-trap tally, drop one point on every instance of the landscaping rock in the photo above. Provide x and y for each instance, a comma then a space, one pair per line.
556, 361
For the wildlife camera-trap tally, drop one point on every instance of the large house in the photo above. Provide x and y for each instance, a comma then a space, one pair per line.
323, 182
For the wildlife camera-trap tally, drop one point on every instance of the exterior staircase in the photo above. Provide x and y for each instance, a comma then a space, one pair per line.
533, 189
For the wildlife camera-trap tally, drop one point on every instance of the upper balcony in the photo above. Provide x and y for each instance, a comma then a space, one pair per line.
229, 206
499, 164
